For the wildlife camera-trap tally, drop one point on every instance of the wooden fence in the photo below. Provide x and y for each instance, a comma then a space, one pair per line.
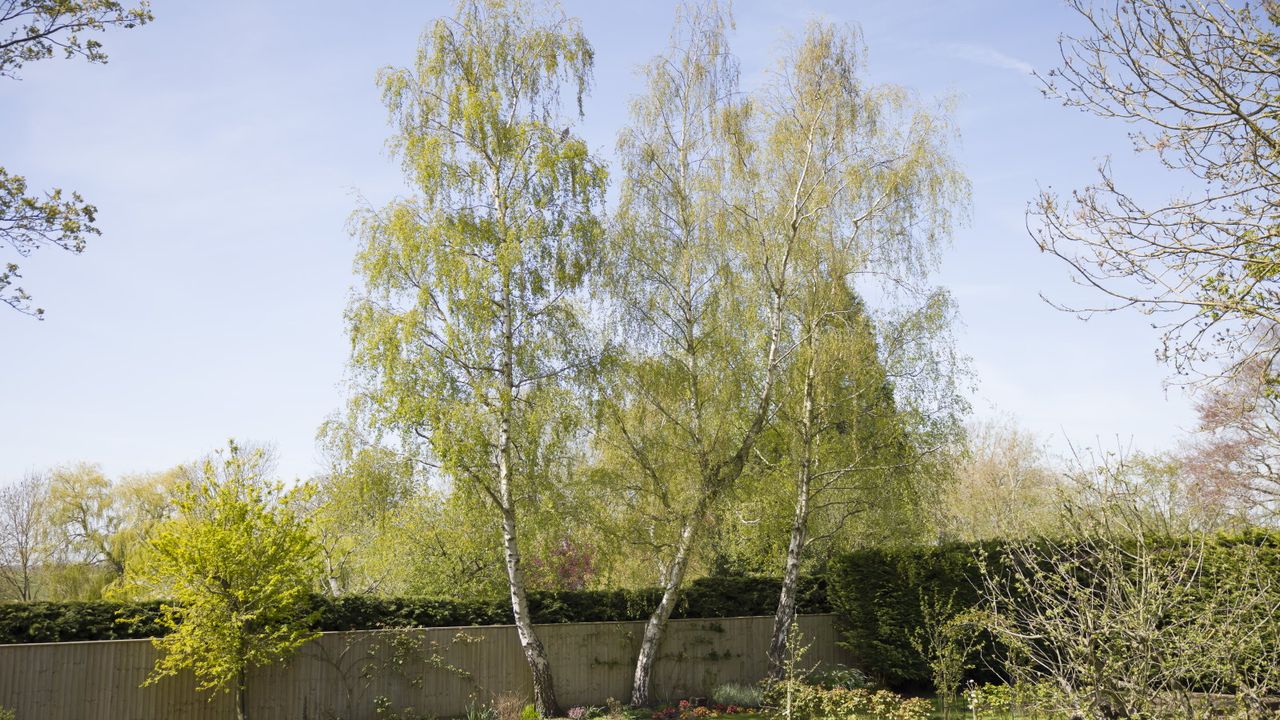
432, 672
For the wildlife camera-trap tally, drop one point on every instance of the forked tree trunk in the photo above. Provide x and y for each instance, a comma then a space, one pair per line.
655, 628
715, 482
331, 576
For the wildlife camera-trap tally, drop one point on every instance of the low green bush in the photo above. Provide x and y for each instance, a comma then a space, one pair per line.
799, 700
998, 702
839, 676
737, 694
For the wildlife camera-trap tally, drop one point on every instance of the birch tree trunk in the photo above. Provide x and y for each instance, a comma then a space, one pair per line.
470, 325
535, 654
544, 694
331, 575
785, 615
655, 628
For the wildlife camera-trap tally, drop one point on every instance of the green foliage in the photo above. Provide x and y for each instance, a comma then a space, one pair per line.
693, 710
1002, 486
75, 621
813, 702
1127, 624
361, 510
877, 593
946, 639
31, 221
33, 30
727, 597
383, 710
478, 711
104, 522
705, 598
457, 550
467, 319
238, 566
365, 612
699, 345
868, 391
886, 597
840, 676
529, 712
842, 440
371, 498
26, 544
994, 701
737, 694
469, 329
791, 670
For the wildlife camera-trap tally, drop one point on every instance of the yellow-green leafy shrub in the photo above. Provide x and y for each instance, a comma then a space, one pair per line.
795, 700
997, 701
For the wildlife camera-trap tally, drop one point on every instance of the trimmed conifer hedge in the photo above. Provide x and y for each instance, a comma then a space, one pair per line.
879, 595
704, 598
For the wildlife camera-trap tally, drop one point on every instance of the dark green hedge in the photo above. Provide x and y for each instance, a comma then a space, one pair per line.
879, 593
70, 621
704, 598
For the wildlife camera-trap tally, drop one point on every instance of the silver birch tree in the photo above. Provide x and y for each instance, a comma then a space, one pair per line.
466, 332
860, 180
701, 294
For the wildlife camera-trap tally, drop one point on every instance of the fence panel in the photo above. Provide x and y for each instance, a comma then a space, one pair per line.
434, 671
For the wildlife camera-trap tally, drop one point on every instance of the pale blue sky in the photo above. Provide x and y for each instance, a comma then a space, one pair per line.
226, 143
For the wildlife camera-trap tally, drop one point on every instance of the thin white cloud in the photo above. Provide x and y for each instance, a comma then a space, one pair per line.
987, 55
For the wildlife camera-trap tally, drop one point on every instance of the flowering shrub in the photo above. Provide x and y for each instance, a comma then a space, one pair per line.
813, 702
686, 710
588, 712
566, 566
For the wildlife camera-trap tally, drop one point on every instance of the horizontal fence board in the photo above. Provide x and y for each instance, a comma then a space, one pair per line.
431, 671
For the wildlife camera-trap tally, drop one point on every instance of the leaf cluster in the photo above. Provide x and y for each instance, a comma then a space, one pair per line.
38, 29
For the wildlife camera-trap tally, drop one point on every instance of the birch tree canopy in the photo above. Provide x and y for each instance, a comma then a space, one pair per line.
745, 220
467, 330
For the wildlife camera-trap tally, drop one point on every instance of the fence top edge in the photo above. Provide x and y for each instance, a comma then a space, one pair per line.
63, 643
